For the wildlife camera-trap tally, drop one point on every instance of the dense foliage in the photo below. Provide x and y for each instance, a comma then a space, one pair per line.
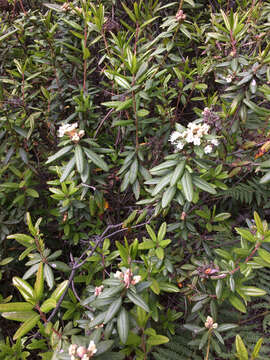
135, 172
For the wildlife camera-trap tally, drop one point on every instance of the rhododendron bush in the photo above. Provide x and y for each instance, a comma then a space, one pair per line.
135, 174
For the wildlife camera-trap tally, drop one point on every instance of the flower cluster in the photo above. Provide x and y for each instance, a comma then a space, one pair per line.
194, 133
81, 353
127, 277
66, 7
71, 131
209, 324
98, 290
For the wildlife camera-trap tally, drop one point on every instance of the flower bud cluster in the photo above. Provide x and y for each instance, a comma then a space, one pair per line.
98, 290
71, 131
82, 353
209, 324
194, 134
127, 277
66, 7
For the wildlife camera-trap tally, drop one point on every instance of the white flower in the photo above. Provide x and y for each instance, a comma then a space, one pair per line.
205, 128
81, 351
180, 145
136, 279
72, 349
85, 357
66, 128
209, 324
215, 142
98, 290
75, 137
118, 275
174, 136
81, 133
127, 278
229, 78
208, 149
189, 137
197, 141
92, 348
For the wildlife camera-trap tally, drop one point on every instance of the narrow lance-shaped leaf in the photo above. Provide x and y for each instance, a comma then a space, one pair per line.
22, 239
68, 168
123, 325
59, 154
16, 306
137, 300
26, 326
39, 284
96, 159
178, 172
79, 158
113, 310
24, 288
242, 352
21, 316
133, 172
187, 187
49, 277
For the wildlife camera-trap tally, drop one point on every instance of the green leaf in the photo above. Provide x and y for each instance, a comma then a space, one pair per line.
104, 346
257, 348
58, 292
265, 255
155, 286
241, 350
113, 310
48, 305
123, 325
168, 287
79, 157
39, 284
237, 303
48, 275
159, 253
219, 287
59, 154
162, 232
21, 316
246, 234
168, 196
96, 159
265, 179
178, 172
187, 187
24, 288
226, 327
252, 291
258, 223
16, 306
164, 181
122, 82
133, 172
146, 245
203, 185
3, 37
97, 320
222, 217
155, 340
31, 192
22, 239
162, 166
26, 326
151, 233
137, 300
68, 168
